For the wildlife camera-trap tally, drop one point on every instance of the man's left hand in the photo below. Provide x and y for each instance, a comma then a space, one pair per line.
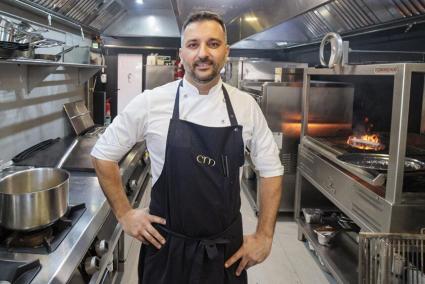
254, 250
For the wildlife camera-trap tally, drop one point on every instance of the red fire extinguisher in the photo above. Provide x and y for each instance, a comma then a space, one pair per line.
179, 73
108, 112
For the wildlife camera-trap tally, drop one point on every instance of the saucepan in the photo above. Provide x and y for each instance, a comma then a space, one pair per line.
54, 57
43, 43
7, 30
34, 198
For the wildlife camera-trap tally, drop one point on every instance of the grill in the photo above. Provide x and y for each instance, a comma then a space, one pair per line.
381, 189
369, 165
392, 258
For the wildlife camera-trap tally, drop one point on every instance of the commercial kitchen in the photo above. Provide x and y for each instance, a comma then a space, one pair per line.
340, 83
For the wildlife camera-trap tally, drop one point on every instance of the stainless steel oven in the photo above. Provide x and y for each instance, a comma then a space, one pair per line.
281, 105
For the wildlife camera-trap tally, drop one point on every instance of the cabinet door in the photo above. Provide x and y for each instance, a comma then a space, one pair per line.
130, 76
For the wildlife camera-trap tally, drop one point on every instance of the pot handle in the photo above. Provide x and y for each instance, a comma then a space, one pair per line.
336, 50
68, 49
46, 43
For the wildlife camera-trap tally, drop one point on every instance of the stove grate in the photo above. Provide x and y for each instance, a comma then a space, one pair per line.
44, 241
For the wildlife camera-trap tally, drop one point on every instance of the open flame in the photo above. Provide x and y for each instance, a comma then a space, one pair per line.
366, 142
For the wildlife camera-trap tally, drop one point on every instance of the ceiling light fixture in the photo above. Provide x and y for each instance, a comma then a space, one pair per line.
139, 2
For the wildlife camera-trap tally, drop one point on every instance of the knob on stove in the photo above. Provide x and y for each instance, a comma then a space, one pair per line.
91, 265
101, 247
146, 156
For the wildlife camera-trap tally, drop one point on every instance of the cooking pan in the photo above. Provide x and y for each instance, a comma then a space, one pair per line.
33, 199
53, 57
379, 162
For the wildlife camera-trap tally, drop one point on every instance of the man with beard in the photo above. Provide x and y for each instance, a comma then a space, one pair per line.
196, 131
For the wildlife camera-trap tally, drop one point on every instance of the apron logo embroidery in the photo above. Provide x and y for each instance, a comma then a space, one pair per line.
204, 160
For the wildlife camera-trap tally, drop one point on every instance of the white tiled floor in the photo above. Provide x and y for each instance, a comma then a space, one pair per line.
289, 262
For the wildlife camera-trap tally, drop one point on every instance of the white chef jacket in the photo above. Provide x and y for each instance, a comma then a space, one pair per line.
148, 115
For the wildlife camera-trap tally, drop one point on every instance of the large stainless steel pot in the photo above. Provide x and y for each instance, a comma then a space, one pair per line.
7, 30
34, 198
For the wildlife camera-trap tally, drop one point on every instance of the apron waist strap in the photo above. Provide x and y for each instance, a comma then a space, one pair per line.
209, 245
206, 245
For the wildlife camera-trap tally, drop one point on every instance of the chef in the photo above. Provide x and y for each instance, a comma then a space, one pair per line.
196, 130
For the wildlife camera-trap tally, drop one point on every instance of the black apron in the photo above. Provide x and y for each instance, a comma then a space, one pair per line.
198, 193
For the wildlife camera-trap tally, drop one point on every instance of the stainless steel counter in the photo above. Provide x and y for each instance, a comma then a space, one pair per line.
58, 266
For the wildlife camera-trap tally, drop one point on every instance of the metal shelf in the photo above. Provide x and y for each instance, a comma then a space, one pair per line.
49, 63
341, 258
35, 71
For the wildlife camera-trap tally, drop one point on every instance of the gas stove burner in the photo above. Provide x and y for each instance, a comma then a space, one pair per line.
43, 241
18, 271
30, 239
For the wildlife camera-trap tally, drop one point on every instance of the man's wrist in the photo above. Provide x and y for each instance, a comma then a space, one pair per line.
264, 235
122, 212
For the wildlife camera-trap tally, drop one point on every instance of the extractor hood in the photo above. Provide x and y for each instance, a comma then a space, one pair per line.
260, 24
342, 16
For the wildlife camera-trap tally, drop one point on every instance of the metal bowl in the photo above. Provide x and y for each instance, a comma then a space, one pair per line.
312, 215
379, 162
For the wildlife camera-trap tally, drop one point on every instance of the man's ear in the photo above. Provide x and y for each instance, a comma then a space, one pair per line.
227, 51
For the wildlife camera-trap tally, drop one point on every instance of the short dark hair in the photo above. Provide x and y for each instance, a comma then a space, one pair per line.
204, 16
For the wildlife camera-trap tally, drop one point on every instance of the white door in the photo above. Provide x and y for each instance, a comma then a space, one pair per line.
130, 68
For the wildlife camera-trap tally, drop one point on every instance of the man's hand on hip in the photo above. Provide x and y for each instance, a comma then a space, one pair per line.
138, 224
254, 250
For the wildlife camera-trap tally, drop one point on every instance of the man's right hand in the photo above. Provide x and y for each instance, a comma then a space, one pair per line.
138, 224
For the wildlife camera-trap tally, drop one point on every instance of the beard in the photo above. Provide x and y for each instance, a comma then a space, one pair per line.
201, 78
